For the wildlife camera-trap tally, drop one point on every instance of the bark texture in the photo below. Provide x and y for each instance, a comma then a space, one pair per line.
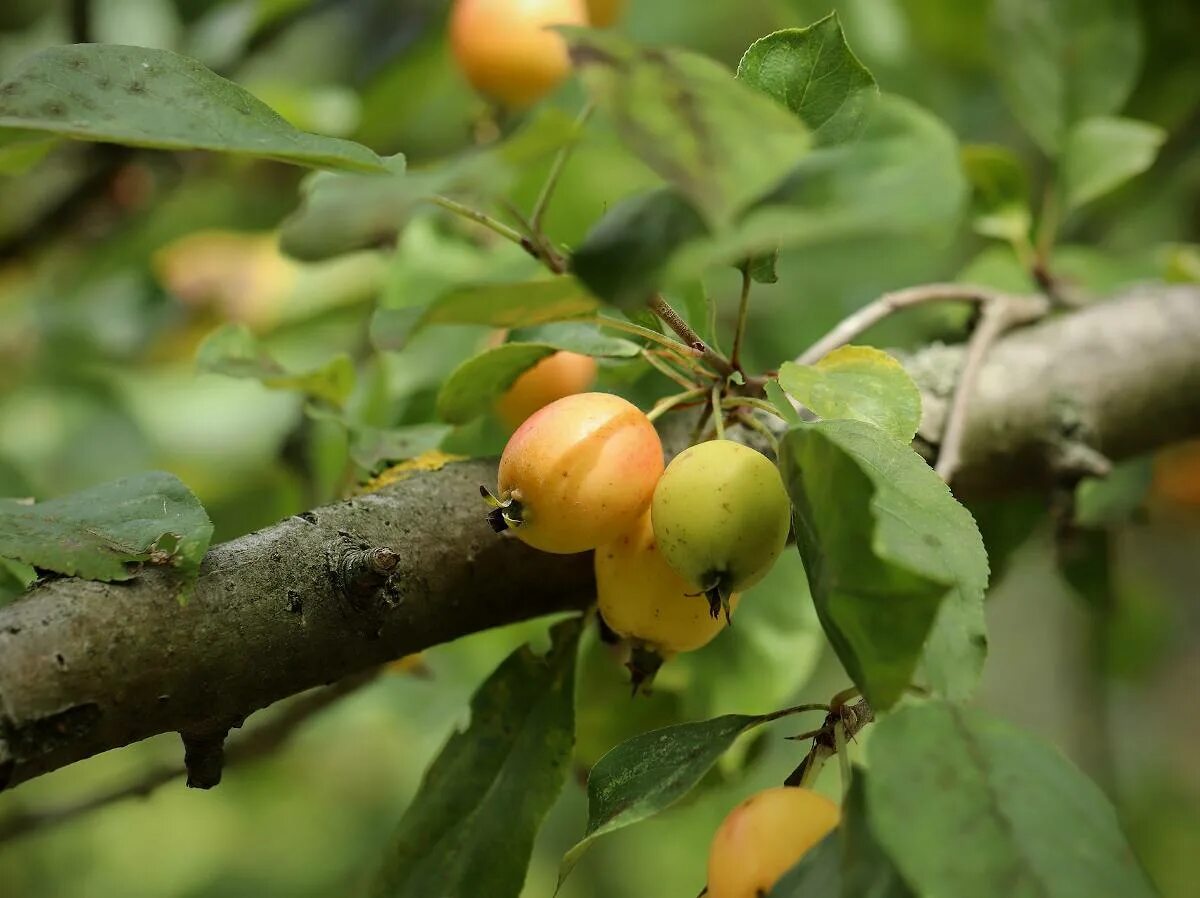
86, 667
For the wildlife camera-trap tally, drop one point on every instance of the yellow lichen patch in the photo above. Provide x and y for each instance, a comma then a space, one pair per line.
434, 460
410, 665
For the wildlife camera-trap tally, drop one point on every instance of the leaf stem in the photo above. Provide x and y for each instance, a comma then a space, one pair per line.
746, 419
743, 314
753, 402
665, 405
667, 371
718, 415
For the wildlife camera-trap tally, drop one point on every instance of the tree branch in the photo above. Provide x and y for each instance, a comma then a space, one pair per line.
86, 667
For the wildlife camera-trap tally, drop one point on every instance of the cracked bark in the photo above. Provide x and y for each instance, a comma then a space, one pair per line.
86, 667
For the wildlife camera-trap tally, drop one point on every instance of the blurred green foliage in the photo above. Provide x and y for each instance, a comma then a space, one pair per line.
99, 327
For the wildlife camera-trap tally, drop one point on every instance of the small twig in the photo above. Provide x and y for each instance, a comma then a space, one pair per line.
998, 316
258, 743
735, 357
675, 322
556, 170
890, 303
842, 724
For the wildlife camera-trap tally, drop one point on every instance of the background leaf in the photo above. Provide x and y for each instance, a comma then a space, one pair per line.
1038, 827
234, 351
902, 177
497, 305
1103, 153
105, 532
999, 192
470, 828
1061, 61
625, 254
155, 98
896, 565
815, 74
861, 383
341, 212
475, 384
689, 120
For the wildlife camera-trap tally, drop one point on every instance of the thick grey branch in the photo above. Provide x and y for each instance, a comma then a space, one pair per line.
1112, 380
86, 667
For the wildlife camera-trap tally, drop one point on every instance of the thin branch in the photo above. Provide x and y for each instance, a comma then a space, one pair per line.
486, 220
871, 314
735, 357
256, 744
842, 724
998, 316
556, 170
675, 322
654, 336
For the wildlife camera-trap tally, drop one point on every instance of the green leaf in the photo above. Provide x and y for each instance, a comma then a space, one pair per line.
578, 336
1037, 826
497, 305
720, 143
901, 178
762, 267
623, 257
340, 213
475, 384
819, 872
1102, 153
471, 826
155, 98
861, 383
650, 772
1000, 192
234, 351
896, 566
21, 150
109, 531
1061, 61
1115, 499
15, 578
815, 74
